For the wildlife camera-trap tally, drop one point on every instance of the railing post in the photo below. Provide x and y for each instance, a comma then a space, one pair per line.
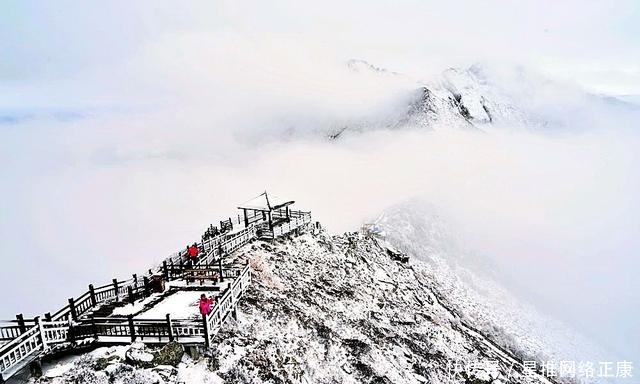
43, 336
165, 269
147, 291
70, 333
130, 292
92, 294
220, 269
135, 280
115, 288
94, 328
169, 327
132, 328
72, 309
206, 331
47, 316
21, 324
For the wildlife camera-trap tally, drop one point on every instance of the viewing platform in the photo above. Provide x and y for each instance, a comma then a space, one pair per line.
159, 306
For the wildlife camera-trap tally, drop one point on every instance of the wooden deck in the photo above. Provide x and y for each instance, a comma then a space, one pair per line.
25, 340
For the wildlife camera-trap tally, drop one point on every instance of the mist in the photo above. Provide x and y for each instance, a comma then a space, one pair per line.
560, 214
112, 161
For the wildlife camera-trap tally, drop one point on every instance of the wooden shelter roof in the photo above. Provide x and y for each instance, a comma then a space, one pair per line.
265, 202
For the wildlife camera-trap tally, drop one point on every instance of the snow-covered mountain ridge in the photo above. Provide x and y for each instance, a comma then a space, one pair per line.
469, 285
467, 98
330, 309
484, 97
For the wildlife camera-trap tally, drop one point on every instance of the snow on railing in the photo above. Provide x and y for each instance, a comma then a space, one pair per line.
9, 332
227, 303
55, 331
228, 243
18, 349
90, 299
23, 337
45, 333
296, 220
10, 329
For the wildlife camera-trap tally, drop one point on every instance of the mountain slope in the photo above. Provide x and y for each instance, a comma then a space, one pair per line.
339, 309
474, 289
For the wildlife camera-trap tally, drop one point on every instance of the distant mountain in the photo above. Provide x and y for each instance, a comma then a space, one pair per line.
365, 67
483, 98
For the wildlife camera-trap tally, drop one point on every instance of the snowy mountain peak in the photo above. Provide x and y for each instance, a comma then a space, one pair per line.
458, 98
363, 66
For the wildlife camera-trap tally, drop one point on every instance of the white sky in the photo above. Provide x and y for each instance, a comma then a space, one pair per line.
66, 53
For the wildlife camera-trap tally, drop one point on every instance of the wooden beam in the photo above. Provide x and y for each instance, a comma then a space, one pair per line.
169, 328
206, 331
115, 288
21, 324
92, 295
132, 328
72, 309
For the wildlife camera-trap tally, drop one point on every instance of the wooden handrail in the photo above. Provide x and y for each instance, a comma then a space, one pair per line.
31, 335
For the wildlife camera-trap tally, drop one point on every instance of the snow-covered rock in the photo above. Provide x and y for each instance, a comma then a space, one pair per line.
138, 356
327, 309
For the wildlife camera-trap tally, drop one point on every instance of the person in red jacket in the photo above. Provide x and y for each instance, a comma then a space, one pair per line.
206, 304
193, 253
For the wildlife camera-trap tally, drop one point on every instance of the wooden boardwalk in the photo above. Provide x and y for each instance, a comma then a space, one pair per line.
25, 340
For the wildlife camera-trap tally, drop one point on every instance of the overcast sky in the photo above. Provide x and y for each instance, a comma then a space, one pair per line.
72, 53
127, 127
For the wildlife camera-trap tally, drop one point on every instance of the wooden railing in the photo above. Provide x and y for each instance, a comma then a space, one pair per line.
296, 220
9, 332
255, 218
21, 338
228, 243
95, 296
18, 350
10, 329
45, 333
226, 304
55, 332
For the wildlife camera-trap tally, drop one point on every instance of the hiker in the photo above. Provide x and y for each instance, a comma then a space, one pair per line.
193, 252
206, 304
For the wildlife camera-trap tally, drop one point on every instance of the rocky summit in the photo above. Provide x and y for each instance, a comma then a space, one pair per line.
323, 309
339, 309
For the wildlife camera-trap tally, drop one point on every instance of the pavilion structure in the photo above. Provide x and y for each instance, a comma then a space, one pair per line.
272, 215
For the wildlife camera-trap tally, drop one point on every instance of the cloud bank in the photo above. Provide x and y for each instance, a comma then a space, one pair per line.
170, 120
